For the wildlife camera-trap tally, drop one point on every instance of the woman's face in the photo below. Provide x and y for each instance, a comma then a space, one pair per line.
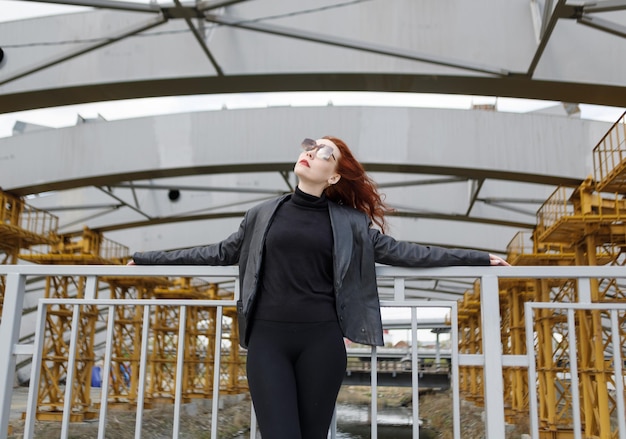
313, 169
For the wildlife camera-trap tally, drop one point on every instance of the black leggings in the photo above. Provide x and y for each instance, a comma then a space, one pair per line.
295, 371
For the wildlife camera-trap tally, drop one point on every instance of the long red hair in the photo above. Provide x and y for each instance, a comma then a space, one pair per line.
356, 188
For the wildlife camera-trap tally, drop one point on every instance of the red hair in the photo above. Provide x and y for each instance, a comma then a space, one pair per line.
355, 188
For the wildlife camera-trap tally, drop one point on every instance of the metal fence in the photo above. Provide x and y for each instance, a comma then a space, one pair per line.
395, 294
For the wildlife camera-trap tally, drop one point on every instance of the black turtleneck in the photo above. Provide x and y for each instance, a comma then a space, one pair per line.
297, 279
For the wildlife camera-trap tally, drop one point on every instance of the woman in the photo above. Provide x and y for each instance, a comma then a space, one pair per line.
308, 279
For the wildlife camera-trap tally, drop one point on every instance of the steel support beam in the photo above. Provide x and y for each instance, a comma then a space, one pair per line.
301, 34
107, 4
603, 25
149, 24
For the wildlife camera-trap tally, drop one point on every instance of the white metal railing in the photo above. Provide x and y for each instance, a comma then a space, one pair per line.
618, 361
491, 360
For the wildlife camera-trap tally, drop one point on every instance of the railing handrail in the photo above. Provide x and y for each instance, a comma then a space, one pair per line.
383, 271
491, 359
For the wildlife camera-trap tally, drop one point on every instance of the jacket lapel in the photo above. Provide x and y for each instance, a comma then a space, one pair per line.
342, 241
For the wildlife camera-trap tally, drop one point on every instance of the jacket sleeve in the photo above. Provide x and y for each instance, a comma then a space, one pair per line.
226, 252
389, 251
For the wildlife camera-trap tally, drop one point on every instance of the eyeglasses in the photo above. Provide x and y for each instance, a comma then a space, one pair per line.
324, 152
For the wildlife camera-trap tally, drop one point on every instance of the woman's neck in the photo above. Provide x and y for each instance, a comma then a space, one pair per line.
311, 189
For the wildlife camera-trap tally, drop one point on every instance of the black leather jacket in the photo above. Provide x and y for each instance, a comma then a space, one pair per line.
357, 248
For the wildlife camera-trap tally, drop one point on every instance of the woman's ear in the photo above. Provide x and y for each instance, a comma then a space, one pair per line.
334, 179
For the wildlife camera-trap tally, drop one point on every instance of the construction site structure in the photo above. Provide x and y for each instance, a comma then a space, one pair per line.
31, 235
128, 327
21, 226
575, 226
200, 342
92, 248
471, 385
88, 248
584, 225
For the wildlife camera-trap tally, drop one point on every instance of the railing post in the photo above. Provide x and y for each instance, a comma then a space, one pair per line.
415, 365
454, 371
374, 393
492, 351
9, 336
215, 404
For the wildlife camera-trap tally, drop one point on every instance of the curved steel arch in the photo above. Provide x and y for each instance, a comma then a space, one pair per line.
486, 171
121, 50
513, 49
599, 94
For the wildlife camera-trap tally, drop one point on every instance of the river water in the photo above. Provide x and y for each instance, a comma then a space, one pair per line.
353, 422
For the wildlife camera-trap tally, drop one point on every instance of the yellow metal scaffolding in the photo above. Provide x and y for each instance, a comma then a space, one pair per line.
89, 248
200, 340
31, 235
21, 226
124, 382
575, 226
470, 342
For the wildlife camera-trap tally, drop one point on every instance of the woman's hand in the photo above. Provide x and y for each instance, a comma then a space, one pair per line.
131, 262
497, 260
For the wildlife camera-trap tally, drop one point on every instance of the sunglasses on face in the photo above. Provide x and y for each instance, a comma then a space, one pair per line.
323, 152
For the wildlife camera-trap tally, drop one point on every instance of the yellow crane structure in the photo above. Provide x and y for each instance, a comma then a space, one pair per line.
200, 341
30, 234
528, 250
21, 226
126, 349
88, 248
594, 222
584, 227
199, 349
470, 342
